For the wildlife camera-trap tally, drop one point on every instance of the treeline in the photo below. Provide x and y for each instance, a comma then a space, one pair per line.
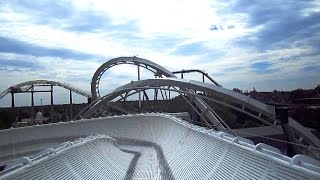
306, 116
282, 96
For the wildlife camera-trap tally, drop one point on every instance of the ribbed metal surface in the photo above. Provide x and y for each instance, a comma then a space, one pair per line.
154, 146
96, 159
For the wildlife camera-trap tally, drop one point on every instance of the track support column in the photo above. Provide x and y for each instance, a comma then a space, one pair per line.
70, 110
13, 113
282, 115
139, 80
51, 103
32, 106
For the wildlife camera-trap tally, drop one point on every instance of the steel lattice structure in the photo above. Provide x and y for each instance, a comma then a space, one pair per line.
151, 66
25, 86
222, 96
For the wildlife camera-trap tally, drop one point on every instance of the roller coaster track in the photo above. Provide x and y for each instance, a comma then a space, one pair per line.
259, 111
25, 86
204, 74
158, 71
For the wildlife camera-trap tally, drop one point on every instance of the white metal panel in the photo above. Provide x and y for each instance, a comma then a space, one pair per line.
169, 148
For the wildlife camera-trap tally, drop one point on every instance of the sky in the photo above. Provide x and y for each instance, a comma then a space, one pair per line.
265, 44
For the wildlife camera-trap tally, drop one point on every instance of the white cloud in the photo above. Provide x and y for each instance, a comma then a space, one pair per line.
185, 22
189, 21
51, 68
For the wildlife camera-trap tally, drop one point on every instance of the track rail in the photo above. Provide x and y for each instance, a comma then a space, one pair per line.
25, 86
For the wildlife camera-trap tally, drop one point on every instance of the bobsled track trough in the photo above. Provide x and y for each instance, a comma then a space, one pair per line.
96, 145
146, 146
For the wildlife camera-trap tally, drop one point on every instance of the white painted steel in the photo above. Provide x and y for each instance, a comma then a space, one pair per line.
88, 158
232, 96
190, 86
166, 147
157, 70
54, 83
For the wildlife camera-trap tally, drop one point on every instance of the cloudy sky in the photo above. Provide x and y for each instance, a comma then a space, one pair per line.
266, 44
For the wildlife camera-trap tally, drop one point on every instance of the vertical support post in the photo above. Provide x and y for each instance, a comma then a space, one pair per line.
146, 95
51, 103
13, 113
162, 94
41, 105
32, 106
282, 115
155, 94
139, 80
70, 111
125, 97
165, 94
181, 75
202, 77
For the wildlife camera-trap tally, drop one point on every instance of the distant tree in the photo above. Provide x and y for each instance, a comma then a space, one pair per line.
5, 119
25, 114
317, 89
46, 114
237, 90
296, 94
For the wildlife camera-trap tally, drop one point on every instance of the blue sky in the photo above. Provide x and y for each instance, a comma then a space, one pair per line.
273, 45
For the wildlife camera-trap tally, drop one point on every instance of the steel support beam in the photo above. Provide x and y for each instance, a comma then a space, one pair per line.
32, 105
51, 103
139, 80
151, 66
13, 113
198, 71
70, 111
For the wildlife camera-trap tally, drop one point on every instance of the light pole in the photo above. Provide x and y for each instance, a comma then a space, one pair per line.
41, 105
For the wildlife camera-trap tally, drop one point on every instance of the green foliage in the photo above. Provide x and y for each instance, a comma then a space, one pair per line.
5, 119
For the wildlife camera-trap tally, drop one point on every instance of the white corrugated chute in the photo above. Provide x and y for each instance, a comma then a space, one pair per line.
144, 146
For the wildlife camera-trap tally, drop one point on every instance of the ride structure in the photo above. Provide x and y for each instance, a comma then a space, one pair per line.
30, 87
157, 145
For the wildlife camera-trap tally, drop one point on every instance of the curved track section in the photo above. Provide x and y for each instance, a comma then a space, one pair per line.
158, 71
244, 104
153, 67
149, 146
204, 74
25, 86
239, 102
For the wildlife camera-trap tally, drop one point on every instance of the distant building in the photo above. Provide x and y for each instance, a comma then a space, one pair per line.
39, 119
